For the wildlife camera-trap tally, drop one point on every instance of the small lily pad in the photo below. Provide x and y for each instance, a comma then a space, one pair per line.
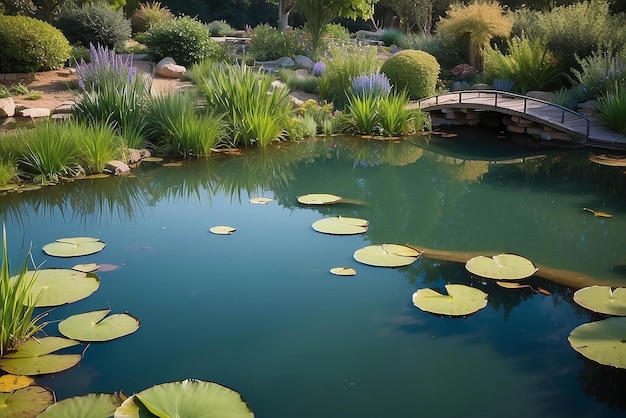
92, 326
512, 285
86, 268
261, 200
343, 271
93, 405
54, 287
386, 255
222, 230
602, 299
34, 357
26, 402
11, 382
461, 300
340, 225
152, 159
319, 199
602, 341
501, 267
187, 399
74, 247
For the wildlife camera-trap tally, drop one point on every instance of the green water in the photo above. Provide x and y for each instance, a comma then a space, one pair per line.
258, 311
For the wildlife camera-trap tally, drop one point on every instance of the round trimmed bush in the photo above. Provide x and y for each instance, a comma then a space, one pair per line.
95, 23
185, 39
414, 71
30, 45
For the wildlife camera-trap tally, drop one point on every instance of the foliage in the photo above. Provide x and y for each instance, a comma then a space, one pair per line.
346, 64
104, 65
612, 108
393, 37
479, 22
464, 72
318, 69
503, 84
599, 73
18, 89
34, 95
268, 43
149, 14
415, 15
8, 172
307, 84
447, 51
322, 113
363, 115
185, 39
220, 28
4, 91
300, 127
337, 32
234, 90
413, 71
17, 319
566, 97
30, 45
98, 145
529, 64
95, 23
377, 85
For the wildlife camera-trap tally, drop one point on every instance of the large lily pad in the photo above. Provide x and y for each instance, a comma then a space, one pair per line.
501, 267
602, 299
25, 403
603, 341
187, 399
319, 199
54, 287
11, 382
94, 405
92, 326
74, 247
34, 357
461, 300
340, 225
386, 255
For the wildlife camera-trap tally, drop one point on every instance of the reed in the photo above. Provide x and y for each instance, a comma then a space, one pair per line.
395, 117
612, 108
99, 144
364, 115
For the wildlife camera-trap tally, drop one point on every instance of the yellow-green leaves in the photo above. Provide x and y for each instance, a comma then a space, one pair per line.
602, 299
460, 300
501, 267
26, 402
602, 341
222, 230
343, 271
386, 255
74, 247
319, 199
93, 326
54, 287
339, 225
35, 357
94, 405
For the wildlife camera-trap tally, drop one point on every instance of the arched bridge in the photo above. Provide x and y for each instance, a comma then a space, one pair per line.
539, 111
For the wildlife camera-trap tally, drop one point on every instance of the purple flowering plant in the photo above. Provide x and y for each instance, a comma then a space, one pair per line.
377, 85
318, 69
464, 72
105, 65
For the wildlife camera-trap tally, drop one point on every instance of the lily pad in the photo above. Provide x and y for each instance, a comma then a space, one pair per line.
461, 300
187, 399
26, 402
152, 159
92, 326
340, 225
222, 230
603, 341
386, 255
86, 268
34, 357
11, 382
319, 199
602, 299
74, 247
343, 271
261, 200
94, 405
501, 267
512, 285
54, 287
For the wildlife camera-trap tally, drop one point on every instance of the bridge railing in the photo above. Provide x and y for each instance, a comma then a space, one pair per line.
502, 95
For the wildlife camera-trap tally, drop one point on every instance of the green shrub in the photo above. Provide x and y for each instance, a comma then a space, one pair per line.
268, 43
98, 144
447, 51
149, 14
337, 32
612, 108
220, 28
4, 92
28, 45
393, 37
18, 89
79, 54
185, 39
413, 71
599, 73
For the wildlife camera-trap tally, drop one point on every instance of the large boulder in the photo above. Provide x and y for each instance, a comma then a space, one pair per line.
167, 67
304, 62
35, 112
7, 107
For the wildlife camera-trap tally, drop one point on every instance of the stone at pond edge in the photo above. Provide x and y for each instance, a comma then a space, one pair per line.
36, 112
7, 108
167, 67
116, 167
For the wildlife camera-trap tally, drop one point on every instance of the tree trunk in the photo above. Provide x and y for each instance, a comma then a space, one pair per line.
284, 8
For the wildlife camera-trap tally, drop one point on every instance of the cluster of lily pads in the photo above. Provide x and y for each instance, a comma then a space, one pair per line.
19, 396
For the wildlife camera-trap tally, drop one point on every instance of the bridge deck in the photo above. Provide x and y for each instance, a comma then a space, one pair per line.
539, 111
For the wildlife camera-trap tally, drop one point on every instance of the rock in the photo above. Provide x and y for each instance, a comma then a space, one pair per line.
480, 86
589, 104
301, 73
65, 107
546, 96
286, 62
117, 167
145, 153
7, 108
56, 117
303, 61
167, 67
35, 112
133, 156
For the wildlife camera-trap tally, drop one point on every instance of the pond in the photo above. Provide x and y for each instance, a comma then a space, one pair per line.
258, 310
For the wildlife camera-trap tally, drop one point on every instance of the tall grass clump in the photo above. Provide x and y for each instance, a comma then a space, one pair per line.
307, 84
363, 115
397, 119
97, 145
612, 108
600, 72
346, 63
256, 111
10, 151
18, 321
51, 152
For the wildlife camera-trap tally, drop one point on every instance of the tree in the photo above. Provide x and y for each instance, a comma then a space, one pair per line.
318, 13
413, 13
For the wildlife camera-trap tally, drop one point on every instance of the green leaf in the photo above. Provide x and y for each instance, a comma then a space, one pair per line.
319, 199
26, 402
461, 300
74, 247
91, 326
54, 287
187, 399
386, 255
222, 230
86, 268
343, 271
34, 358
339, 225
501, 267
93, 405
603, 341
602, 299
11, 382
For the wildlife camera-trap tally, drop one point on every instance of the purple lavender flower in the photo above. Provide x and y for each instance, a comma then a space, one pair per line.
105, 64
318, 69
377, 85
394, 49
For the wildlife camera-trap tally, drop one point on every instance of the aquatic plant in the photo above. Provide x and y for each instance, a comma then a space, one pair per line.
612, 108
99, 144
364, 115
397, 119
